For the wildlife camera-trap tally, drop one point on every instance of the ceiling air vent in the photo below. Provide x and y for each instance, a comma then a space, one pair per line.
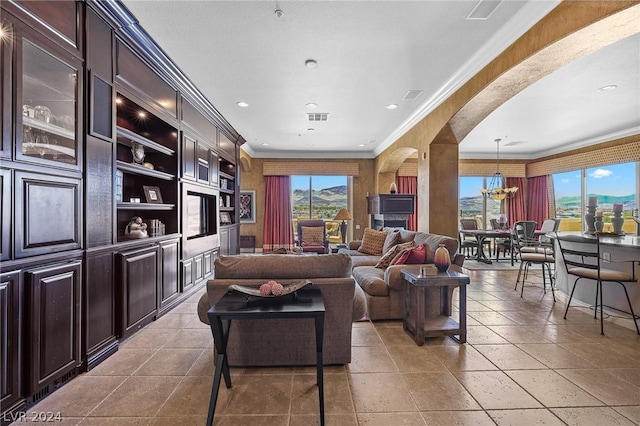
317, 116
412, 95
484, 9
515, 143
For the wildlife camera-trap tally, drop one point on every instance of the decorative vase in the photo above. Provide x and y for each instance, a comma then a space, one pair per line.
589, 219
617, 221
599, 224
441, 258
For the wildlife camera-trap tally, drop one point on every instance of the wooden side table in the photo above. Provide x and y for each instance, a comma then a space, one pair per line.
428, 305
306, 303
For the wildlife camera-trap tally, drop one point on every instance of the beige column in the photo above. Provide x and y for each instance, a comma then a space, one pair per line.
441, 195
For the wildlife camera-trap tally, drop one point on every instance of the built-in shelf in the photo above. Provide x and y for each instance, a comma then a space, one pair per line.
141, 170
126, 136
48, 127
145, 206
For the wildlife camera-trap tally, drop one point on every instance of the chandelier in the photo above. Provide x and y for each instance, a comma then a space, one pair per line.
496, 189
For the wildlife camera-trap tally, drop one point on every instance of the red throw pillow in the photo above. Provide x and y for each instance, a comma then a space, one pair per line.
412, 256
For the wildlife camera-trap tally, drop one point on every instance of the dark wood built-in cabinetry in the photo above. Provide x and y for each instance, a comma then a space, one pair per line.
99, 127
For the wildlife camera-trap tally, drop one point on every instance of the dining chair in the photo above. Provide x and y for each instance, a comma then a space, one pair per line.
532, 252
500, 244
582, 258
469, 242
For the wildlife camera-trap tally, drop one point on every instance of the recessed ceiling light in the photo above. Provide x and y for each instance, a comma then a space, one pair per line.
264, 144
242, 104
311, 129
310, 63
119, 101
392, 106
609, 87
142, 114
361, 144
311, 105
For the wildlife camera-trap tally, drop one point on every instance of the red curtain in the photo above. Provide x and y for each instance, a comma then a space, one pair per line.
278, 220
538, 200
409, 185
516, 207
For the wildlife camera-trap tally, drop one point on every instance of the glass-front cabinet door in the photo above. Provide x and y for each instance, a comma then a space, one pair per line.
48, 106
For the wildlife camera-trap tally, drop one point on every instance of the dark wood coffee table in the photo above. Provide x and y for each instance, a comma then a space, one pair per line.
305, 303
427, 305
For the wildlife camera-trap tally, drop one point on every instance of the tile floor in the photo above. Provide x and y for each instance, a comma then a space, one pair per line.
523, 365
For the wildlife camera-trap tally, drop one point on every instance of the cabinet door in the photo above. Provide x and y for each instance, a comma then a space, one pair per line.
47, 105
187, 275
209, 259
169, 285
54, 318
138, 299
10, 338
189, 146
234, 240
224, 241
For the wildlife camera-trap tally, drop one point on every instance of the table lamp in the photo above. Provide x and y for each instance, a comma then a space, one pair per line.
343, 215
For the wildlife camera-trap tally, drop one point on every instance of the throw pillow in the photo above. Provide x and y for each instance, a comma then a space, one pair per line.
386, 259
392, 238
372, 241
411, 256
311, 236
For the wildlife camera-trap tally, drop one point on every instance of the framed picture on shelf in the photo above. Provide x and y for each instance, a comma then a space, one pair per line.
152, 194
225, 218
248, 206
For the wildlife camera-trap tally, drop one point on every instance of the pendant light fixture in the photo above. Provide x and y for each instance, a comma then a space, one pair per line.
496, 190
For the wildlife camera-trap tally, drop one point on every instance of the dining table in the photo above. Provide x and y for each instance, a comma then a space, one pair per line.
482, 234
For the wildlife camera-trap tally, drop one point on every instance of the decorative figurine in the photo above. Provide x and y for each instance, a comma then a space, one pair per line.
137, 153
136, 229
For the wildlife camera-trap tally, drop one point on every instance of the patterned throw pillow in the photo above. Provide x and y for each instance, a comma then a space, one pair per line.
311, 236
411, 256
386, 259
372, 242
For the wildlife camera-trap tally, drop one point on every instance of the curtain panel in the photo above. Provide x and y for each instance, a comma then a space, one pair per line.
516, 206
409, 185
278, 220
538, 200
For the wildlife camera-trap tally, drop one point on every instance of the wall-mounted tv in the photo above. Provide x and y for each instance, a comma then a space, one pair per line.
200, 215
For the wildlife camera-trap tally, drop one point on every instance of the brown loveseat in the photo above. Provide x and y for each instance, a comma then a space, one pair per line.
289, 341
384, 287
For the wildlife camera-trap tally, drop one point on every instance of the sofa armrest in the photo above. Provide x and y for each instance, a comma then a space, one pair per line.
458, 259
393, 277
355, 244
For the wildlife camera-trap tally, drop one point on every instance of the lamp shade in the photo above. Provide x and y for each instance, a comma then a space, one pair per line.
343, 214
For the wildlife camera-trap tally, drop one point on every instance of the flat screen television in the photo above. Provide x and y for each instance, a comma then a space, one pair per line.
200, 215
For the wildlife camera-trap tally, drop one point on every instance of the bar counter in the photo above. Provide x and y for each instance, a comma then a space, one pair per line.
622, 250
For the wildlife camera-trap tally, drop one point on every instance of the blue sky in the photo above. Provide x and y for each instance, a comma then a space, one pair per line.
319, 182
617, 179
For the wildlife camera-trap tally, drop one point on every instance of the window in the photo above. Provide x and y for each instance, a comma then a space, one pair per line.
474, 205
612, 184
319, 197
568, 196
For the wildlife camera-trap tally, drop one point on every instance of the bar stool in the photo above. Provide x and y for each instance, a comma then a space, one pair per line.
585, 262
532, 252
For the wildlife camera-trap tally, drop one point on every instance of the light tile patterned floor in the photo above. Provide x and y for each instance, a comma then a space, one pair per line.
524, 365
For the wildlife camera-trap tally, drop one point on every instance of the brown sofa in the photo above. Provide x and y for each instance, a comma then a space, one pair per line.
281, 342
384, 288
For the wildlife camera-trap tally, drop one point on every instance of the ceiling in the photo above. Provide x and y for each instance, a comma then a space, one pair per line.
372, 54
